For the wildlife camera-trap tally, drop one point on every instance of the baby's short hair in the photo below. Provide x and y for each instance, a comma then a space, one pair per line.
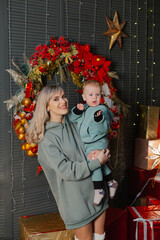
91, 82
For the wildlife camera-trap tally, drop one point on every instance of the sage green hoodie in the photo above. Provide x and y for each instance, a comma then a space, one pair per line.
62, 156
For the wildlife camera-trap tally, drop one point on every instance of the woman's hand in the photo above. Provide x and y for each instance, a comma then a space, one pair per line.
93, 155
102, 155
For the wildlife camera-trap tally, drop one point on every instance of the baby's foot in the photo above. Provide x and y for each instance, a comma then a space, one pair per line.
98, 195
112, 188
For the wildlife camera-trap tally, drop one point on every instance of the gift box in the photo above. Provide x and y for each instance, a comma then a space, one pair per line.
152, 201
44, 227
148, 122
144, 222
116, 220
143, 149
141, 201
153, 189
139, 180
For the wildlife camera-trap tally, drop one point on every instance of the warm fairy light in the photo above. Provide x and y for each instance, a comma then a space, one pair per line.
137, 76
138, 89
154, 24
151, 74
134, 36
137, 115
137, 50
154, 63
135, 23
137, 61
151, 10
137, 102
150, 38
134, 124
154, 100
152, 88
139, 8
151, 50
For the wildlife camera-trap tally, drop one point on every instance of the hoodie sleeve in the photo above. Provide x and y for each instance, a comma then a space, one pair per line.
50, 157
75, 114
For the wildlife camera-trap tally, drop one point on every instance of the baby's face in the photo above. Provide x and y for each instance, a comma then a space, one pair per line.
92, 95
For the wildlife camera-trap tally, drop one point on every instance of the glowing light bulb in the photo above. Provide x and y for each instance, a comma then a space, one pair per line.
138, 89
135, 23
137, 61
137, 50
154, 63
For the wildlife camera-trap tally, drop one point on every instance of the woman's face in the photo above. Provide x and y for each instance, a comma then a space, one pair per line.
58, 106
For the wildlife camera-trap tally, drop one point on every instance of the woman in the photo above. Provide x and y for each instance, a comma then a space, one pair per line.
62, 156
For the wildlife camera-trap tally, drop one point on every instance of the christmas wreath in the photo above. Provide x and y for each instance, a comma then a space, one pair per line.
63, 57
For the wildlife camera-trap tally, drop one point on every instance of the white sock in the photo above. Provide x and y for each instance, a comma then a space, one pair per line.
75, 238
99, 236
98, 195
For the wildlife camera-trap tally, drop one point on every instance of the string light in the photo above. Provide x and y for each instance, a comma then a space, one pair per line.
137, 54
152, 52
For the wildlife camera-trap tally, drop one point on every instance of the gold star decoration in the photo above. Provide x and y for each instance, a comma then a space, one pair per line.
115, 31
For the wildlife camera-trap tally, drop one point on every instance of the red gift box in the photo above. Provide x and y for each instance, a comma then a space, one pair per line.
152, 201
144, 223
138, 178
116, 220
154, 189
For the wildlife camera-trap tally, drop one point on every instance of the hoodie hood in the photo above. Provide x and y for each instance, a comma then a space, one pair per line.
56, 124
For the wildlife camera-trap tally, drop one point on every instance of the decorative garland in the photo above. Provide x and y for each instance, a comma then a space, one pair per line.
65, 58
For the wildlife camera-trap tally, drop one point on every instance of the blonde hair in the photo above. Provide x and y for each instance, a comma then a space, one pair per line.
91, 82
35, 131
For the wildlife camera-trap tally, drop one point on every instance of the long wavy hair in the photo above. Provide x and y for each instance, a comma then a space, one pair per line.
35, 131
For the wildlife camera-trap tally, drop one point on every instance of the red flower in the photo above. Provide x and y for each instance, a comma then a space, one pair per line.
62, 41
77, 70
106, 65
87, 48
76, 63
42, 69
98, 60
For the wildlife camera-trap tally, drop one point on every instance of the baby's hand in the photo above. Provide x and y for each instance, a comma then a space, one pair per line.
80, 106
98, 113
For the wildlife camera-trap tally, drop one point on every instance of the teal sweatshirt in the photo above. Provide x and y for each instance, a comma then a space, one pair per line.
62, 156
92, 133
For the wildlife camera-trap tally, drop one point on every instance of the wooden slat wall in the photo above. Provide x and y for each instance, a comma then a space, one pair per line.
22, 192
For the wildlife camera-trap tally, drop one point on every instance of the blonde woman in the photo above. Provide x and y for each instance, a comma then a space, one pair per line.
63, 159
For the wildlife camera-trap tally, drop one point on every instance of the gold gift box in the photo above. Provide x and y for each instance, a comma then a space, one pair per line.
143, 149
148, 124
44, 227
